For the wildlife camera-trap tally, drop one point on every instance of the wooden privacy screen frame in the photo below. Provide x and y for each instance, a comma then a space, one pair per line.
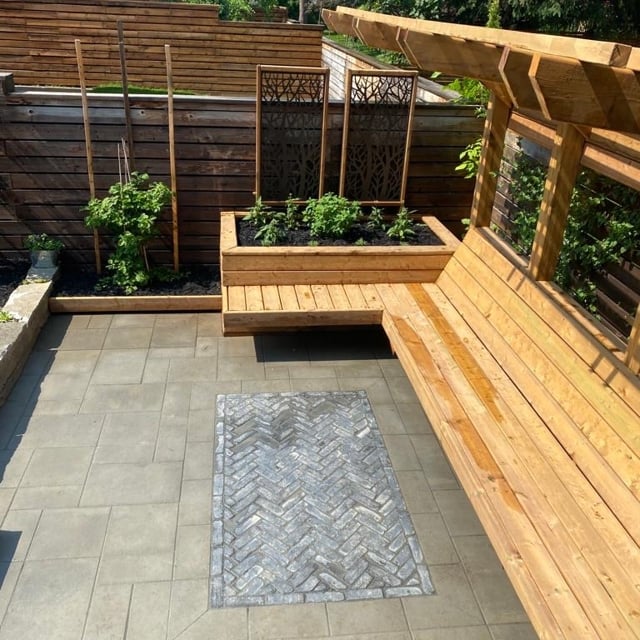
376, 138
291, 124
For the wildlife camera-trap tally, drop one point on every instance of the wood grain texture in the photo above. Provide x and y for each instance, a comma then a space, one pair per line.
564, 166
37, 42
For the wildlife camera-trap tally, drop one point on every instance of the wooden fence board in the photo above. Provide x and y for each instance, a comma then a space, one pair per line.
38, 44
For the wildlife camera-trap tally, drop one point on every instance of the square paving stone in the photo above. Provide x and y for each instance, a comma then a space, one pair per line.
59, 466
50, 600
69, 533
306, 506
110, 484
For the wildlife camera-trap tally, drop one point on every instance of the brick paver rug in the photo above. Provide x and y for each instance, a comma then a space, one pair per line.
306, 507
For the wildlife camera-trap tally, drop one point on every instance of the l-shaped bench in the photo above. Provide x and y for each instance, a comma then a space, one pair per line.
535, 409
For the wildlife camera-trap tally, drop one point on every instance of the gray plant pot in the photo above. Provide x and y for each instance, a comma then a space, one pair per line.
44, 259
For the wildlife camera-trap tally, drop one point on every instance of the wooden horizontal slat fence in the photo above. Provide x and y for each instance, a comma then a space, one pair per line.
209, 55
339, 59
43, 181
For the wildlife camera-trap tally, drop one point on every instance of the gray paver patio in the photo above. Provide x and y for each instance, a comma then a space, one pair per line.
107, 460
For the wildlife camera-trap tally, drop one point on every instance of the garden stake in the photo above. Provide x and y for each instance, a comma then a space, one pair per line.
172, 161
89, 148
125, 94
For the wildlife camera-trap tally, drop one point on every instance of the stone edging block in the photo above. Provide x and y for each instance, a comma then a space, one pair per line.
29, 304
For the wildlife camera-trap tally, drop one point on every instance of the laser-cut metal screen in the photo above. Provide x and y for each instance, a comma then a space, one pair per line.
377, 135
290, 132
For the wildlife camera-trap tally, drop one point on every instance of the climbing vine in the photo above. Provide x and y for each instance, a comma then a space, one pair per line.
603, 226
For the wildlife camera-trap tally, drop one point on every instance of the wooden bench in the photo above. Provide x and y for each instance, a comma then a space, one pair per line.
541, 421
536, 412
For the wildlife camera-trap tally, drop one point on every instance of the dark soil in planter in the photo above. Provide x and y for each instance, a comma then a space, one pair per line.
11, 275
246, 232
199, 280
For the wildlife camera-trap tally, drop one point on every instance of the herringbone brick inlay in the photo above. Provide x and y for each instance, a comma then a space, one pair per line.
306, 507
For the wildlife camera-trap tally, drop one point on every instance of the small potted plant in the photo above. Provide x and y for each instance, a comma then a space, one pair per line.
44, 250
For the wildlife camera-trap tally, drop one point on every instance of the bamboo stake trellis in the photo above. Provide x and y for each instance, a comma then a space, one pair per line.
89, 148
172, 161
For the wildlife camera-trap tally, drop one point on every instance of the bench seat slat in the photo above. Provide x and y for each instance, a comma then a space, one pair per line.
603, 400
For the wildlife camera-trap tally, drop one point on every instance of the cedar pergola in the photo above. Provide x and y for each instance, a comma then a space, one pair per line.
579, 97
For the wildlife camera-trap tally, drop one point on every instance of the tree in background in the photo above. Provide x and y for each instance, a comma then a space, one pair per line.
613, 19
238, 9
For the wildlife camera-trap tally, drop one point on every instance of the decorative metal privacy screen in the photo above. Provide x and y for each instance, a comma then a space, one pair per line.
377, 135
290, 132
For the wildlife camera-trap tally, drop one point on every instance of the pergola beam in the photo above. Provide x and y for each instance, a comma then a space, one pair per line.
433, 52
607, 53
586, 94
575, 80
339, 23
514, 68
377, 34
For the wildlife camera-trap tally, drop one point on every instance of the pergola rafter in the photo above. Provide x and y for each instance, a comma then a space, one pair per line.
574, 80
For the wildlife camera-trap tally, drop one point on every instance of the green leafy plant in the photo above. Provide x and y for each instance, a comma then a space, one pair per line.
375, 219
42, 242
603, 227
470, 159
130, 212
260, 213
272, 232
402, 228
361, 242
331, 215
5, 316
291, 217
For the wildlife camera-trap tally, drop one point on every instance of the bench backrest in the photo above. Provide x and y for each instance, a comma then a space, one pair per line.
562, 361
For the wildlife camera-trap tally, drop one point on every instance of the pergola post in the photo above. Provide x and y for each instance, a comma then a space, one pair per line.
632, 357
564, 166
495, 130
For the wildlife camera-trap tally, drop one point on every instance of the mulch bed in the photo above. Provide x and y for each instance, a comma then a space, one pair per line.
11, 275
246, 232
77, 281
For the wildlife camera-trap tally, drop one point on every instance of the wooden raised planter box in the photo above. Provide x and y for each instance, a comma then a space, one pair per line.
331, 265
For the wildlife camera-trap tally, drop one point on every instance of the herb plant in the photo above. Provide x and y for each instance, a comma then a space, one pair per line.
130, 212
402, 228
272, 232
375, 219
291, 218
331, 215
5, 316
260, 213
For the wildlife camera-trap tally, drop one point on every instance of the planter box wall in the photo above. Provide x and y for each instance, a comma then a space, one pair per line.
241, 266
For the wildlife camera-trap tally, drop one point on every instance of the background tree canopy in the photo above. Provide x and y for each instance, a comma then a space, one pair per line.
615, 19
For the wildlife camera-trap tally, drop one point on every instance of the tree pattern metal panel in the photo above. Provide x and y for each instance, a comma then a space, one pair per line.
376, 135
292, 105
